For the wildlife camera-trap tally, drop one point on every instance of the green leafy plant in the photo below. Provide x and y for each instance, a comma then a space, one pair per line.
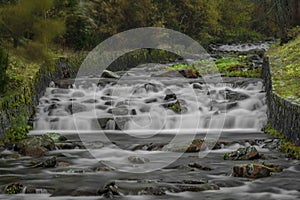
19, 130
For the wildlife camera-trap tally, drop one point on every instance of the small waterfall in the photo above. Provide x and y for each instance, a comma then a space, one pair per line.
152, 105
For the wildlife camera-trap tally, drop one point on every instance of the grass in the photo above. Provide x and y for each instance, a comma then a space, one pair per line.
285, 61
229, 67
286, 146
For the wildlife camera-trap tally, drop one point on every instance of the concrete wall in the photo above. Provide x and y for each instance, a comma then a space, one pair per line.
283, 115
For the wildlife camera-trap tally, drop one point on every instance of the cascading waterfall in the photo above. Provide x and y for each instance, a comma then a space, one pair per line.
141, 105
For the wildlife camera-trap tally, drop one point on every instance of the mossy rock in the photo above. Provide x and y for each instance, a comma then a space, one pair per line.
248, 153
14, 188
56, 137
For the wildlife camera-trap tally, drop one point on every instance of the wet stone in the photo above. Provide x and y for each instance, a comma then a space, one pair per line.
76, 108
199, 166
48, 163
251, 171
248, 153
110, 74
35, 146
9, 155
109, 191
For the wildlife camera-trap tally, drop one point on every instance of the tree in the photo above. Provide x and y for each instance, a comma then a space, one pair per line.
30, 20
3, 67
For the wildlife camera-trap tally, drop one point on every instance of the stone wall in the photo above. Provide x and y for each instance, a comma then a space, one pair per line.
283, 115
24, 102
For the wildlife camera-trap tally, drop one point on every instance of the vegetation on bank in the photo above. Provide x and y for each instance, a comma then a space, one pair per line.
227, 66
286, 146
285, 62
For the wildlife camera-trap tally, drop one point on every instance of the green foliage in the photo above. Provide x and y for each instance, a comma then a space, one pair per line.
230, 64
79, 31
230, 67
252, 73
180, 66
286, 69
286, 146
30, 20
18, 131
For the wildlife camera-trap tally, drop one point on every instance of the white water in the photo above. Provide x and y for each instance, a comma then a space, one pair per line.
136, 106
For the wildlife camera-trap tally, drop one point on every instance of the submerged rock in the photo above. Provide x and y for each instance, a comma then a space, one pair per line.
198, 166
248, 153
9, 155
51, 162
35, 146
251, 171
148, 147
138, 160
76, 108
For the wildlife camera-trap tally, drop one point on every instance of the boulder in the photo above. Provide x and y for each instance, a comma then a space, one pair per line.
251, 171
110, 74
35, 146
248, 153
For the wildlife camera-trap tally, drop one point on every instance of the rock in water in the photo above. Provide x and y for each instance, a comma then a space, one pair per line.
188, 73
35, 146
109, 191
138, 160
56, 137
248, 153
251, 171
14, 188
109, 74
51, 162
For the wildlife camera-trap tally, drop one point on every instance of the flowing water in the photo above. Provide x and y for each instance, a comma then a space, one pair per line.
115, 123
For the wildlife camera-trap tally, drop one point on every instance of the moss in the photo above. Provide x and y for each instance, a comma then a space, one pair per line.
285, 62
230, 67
286, 146
231, 64
14, 188
18, 131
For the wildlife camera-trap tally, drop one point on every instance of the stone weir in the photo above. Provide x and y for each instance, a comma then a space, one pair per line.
283, 115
